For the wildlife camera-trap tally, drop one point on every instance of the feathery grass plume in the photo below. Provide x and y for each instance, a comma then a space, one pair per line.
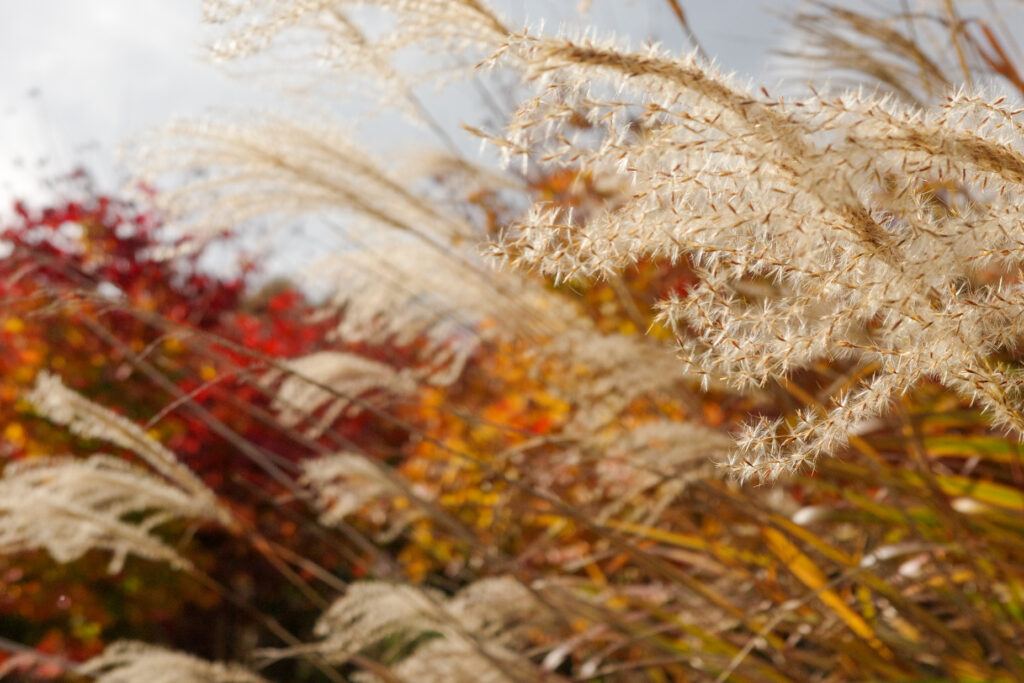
447, 660
373, 611
891, 50
279, 166
310, 46
129, 661
415, 271
494, 607
344, 483
399, 293
448, 25
644, 469
55, 402
481, 622
355, 380
331, 41
69, 506
604, 376
819, 229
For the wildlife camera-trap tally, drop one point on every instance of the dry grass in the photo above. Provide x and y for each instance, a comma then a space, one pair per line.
847, 346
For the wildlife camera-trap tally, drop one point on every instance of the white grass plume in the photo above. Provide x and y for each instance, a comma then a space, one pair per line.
57, 403
129, 661
810, 224
69, 506
345, 482
483, 623
357, 381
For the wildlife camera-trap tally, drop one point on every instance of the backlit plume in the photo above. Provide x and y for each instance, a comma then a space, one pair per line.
850, 228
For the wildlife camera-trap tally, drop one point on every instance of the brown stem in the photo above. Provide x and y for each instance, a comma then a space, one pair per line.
677, 9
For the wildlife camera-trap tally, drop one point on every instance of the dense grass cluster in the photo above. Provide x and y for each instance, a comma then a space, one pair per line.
704, 385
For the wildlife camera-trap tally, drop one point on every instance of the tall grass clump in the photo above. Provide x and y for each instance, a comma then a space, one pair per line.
700, 384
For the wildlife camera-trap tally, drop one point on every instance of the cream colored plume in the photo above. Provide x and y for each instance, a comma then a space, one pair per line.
128, 661
339, 383
813, 228
69, 506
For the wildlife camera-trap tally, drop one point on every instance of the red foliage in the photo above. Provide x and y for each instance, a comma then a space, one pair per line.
86, 293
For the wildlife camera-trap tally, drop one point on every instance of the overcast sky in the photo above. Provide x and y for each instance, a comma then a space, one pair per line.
79, 77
